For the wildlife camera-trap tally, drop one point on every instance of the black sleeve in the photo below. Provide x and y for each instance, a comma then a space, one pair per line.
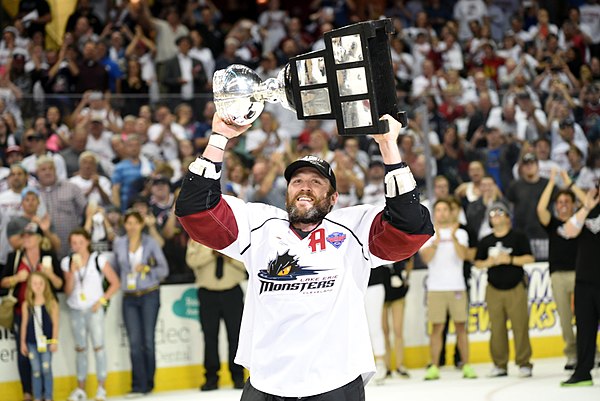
482, 250
406, 213
197, 194
523, 245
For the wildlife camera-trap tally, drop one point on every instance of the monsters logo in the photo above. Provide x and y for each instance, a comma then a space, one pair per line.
284, 268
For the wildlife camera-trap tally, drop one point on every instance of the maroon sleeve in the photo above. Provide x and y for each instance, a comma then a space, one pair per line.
216, 227
389, 243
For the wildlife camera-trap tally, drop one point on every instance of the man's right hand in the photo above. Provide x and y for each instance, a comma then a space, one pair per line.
227, 130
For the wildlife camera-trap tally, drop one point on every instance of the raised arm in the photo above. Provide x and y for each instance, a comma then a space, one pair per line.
201, 192
405, 224
542, 207
574, 225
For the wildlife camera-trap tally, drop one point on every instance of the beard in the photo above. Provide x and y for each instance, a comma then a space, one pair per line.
313, 215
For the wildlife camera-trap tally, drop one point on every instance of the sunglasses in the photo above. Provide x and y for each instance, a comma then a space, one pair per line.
497, 212
35, 138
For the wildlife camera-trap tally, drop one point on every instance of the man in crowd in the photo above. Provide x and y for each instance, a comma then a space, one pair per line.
503, 253
444, 254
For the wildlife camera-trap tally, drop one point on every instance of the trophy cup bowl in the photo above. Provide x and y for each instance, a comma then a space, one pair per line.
240, 95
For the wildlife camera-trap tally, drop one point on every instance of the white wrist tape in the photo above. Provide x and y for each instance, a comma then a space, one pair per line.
399, 181
204, 168
218, 141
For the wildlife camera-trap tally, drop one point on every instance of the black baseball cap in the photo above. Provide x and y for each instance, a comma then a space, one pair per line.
314, 162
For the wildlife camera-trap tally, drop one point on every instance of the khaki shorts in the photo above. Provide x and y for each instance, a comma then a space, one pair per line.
439, 303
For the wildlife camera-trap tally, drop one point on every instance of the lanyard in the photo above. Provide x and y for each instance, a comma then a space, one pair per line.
81, 277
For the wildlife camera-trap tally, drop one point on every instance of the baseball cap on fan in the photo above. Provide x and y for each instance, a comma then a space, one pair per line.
318, 164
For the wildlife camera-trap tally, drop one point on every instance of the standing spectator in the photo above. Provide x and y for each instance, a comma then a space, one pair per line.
129, 172
64, 200
524, 194
268, 184
166, 134
267, 139
134, 87
503, 253
584, 226
33, 210
466, 11
92, 75
39, 334
96, 188
36, 143
10, 205
99, 141
396, 282
115, 74
498, 157
478, 211
19, 266
76, 147
561, 257
444, 254
84, 273
167, 32
218, 279
141, 267
470, 191
272, 23
184, 76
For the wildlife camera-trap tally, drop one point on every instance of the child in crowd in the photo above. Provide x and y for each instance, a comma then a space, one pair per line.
39, 333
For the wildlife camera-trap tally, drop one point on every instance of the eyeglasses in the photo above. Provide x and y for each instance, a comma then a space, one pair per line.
497, 212
36, 138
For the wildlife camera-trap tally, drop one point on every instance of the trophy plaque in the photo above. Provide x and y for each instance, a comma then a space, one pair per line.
351, 81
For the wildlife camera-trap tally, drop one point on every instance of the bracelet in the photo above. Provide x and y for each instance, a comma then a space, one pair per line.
218, 141
52, 341
512, 260
571, 184
103, 301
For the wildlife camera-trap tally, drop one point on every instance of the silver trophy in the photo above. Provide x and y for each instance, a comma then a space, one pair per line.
240, 95
351, 81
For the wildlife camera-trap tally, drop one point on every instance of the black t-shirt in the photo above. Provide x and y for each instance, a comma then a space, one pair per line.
525, 195
587, 267
504, 277
563, 251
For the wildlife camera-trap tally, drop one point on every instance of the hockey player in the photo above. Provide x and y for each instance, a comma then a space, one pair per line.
304, 330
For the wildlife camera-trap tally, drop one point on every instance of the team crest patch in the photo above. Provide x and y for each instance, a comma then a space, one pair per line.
336, 239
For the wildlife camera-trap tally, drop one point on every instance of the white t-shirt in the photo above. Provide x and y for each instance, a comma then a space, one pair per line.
87, 287
446, 268
85, 186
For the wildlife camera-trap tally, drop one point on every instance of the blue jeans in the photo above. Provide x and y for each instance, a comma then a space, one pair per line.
41, 372
86, 323
140, 315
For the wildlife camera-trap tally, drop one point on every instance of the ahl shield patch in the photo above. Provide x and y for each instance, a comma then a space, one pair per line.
336, 239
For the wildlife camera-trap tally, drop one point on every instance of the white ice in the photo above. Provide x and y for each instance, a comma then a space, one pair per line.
543, 386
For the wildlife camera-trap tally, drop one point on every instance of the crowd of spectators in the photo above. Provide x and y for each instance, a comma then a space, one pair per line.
130, 88
499, 92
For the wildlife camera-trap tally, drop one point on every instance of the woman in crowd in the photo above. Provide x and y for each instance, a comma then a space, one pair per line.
84, 272
19, 266
141, 266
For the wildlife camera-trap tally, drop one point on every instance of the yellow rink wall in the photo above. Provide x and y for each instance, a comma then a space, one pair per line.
179, 342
